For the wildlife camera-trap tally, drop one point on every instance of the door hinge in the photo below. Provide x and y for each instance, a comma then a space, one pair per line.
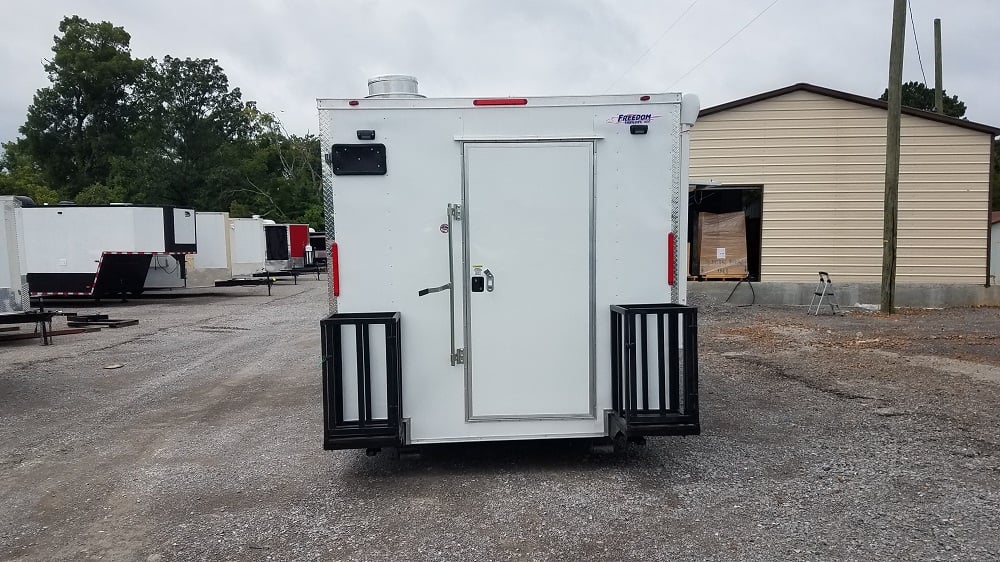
456, 211
458, 357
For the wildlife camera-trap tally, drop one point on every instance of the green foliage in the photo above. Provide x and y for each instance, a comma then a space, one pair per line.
82, 120
99, 194
110, 127
919, 96
280, 172
314, 217
240, 210
19, 175
191, 122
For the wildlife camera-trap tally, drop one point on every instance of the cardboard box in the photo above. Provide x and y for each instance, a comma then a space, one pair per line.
722, 244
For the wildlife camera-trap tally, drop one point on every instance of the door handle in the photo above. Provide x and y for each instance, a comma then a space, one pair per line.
429, 290
455, 355
489, 280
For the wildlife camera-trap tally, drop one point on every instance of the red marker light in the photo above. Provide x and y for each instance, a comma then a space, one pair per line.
353, 102
500, 101
671, 275
644, 98
335, 269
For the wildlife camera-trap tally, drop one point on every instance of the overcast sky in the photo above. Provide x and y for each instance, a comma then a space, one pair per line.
286, 54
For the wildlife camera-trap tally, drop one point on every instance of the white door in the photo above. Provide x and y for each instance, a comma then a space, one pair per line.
528, 226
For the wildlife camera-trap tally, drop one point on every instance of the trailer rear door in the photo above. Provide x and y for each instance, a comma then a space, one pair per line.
276, 241
529, 231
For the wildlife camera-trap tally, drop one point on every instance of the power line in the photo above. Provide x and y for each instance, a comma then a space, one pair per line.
916, 42
726, 42
653, 44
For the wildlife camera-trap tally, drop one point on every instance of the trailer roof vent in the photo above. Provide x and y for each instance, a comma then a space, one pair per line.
393, 86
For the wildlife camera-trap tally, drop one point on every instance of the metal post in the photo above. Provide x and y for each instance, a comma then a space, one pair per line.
891, 206
938, 78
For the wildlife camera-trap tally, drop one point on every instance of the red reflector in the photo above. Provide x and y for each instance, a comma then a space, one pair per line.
500, 101
353, 102
644, 98
335, 269
671, 275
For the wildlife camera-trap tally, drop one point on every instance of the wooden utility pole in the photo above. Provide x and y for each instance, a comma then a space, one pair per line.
938, 79
891, 207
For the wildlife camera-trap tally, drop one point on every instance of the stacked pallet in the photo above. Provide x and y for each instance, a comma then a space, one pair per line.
722, 246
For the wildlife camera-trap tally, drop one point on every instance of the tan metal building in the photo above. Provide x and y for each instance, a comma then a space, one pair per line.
807, 165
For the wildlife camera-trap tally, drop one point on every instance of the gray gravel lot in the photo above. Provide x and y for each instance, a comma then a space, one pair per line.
849, 437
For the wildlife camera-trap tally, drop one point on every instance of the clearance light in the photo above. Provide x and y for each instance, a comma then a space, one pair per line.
500, 101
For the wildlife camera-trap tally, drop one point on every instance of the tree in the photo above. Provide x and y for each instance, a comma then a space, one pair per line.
99, 194
20, 175
281, 175
77, 125
110, 127
191, 121
919, 96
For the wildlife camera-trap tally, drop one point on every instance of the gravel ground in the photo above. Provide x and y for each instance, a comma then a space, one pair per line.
847, 437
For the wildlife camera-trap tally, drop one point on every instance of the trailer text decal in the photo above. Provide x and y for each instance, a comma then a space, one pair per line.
633, 118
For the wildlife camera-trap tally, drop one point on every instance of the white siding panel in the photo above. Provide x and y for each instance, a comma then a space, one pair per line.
821, 162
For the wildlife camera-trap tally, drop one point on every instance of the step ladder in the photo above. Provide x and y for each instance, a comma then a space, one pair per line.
824, 290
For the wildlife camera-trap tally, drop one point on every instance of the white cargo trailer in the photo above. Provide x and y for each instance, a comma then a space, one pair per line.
14, 296
212, 262
100, 250
506, 268
246, 246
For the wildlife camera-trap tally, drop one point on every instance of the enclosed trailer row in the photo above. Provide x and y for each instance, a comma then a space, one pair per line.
506, 268
286, 245
121, 249
100, 250
227, 248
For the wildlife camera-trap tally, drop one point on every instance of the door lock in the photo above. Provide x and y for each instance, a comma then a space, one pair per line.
489, 280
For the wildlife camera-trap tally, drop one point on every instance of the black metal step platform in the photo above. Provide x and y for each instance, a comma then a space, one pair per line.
361, 429
654, 370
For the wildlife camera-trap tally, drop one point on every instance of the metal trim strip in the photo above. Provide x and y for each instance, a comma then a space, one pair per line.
467, 292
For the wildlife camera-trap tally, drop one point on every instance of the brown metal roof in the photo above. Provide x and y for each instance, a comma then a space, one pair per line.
802, 86
995, 217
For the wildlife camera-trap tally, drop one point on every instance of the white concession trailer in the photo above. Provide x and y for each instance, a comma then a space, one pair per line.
76, 250
506, 268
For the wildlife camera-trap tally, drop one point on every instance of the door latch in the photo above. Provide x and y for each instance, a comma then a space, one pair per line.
489, 280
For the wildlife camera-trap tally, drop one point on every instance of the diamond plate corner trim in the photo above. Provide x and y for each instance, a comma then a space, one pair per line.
329, 215
675, 195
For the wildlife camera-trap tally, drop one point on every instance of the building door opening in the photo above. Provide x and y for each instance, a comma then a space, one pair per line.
724, 247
